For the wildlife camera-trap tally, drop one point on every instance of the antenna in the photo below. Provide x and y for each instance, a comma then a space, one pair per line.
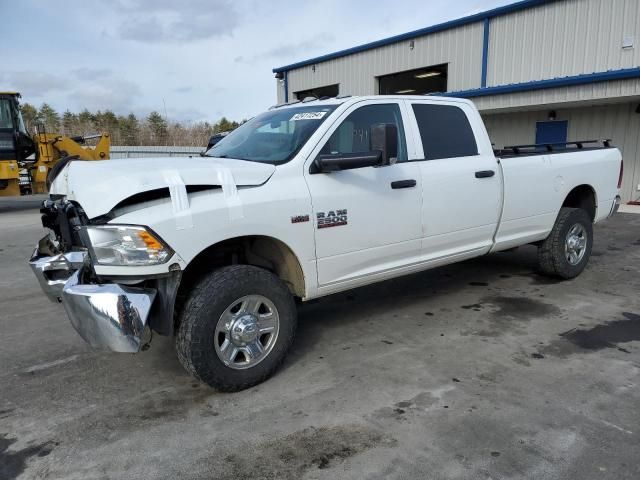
164, 104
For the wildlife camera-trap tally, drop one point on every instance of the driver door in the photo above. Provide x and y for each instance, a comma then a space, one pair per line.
367, 220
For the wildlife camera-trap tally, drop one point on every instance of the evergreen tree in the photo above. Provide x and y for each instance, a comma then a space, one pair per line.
158, 126
106, 122
224, 125
30, 116
125, 129
85, 122
129, 129
69, 123
49, 118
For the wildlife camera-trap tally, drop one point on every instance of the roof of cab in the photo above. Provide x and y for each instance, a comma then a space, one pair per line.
354, 99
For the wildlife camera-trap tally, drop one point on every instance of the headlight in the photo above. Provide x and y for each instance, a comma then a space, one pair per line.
126, 245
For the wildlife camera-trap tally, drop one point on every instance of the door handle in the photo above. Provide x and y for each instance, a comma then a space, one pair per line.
485, 174
403, 184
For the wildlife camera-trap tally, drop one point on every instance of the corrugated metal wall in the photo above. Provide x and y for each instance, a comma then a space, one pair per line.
461, 48
563, 38
618, 122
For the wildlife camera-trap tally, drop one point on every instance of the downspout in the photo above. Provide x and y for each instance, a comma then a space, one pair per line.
485, 54
286, 86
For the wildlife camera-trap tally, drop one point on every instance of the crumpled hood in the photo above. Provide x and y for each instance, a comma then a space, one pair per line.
98, 186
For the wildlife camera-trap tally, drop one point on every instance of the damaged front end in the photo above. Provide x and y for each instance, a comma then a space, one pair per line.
108, 313
108, 316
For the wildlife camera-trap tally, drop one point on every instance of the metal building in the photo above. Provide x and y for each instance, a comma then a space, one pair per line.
539, 71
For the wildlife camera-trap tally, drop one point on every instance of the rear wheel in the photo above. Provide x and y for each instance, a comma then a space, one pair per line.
566, 251
236, 327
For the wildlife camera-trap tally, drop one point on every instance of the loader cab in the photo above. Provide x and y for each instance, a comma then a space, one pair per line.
15, 142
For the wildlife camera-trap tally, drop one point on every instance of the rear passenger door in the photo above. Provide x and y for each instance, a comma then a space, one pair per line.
461, 182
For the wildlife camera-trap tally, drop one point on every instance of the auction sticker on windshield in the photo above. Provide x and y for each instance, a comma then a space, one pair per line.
308, 116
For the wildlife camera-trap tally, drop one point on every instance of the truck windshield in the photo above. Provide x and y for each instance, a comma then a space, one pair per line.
274, 136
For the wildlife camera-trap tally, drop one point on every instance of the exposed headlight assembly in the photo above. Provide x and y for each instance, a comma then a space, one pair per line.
126, 245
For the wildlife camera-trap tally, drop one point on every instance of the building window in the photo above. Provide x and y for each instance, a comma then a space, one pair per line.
415, 82
318, 92
445, 131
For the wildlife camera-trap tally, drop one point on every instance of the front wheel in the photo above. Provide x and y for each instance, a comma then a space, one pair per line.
566, 251
236, 327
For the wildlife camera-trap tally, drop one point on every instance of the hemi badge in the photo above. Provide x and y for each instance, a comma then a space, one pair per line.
300, 219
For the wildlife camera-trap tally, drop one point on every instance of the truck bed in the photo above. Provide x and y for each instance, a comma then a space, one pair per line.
538, 179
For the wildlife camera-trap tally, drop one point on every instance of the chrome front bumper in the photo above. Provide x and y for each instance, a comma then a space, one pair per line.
53, 272
107, 316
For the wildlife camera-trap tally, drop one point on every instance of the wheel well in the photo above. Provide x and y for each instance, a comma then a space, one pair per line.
260, 251
582, 196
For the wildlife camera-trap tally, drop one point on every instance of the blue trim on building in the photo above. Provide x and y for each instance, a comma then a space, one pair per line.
496, 12
583, 79
485, 53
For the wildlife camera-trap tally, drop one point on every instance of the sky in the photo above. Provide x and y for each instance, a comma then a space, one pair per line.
191, 60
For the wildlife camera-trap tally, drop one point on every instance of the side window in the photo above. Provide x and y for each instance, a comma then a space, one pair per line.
354, 134
445, 131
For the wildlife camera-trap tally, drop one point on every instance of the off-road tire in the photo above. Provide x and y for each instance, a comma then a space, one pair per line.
551, 252
204, 305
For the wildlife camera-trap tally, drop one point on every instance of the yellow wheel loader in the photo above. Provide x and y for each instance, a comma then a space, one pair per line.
38, 154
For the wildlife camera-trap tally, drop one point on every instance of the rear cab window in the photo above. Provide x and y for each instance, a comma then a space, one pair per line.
445, 131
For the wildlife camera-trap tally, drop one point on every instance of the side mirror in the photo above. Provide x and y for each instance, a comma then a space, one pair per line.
345, 161
384, 138
384, 151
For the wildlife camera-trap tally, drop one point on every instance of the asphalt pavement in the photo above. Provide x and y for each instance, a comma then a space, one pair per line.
483, 369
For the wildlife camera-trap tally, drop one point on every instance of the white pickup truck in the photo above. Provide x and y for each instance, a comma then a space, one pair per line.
302, 201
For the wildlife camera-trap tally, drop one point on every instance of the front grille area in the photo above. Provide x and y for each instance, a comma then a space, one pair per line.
63, 218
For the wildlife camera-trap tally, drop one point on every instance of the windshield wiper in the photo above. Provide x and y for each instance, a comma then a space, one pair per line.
238, 158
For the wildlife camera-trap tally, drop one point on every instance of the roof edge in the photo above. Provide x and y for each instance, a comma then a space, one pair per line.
477, 17
581, 79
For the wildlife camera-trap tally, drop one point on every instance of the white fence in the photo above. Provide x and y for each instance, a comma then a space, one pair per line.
123, 151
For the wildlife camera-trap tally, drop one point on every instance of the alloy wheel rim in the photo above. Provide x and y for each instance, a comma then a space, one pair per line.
246, 331
575, 244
